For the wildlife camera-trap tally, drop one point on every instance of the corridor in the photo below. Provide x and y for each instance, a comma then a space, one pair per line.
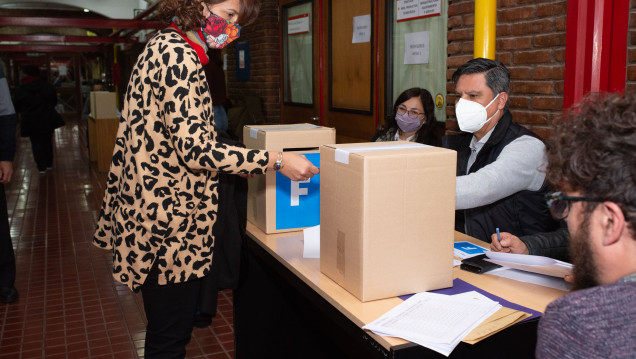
70, 306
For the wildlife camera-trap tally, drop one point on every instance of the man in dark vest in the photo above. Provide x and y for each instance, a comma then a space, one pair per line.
500, 164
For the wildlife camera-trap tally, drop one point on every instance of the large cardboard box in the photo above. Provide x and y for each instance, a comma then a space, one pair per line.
101, 140
274, 202
387, 217
103, 105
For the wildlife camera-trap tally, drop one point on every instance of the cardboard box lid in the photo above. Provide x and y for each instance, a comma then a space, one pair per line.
292, 136
343, 152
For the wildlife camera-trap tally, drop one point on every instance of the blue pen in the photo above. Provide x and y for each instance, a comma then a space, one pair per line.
498, 235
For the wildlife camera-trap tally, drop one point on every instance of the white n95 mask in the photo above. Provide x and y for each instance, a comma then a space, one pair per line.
471, 116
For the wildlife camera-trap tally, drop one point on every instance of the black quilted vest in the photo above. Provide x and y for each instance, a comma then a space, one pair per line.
522, 213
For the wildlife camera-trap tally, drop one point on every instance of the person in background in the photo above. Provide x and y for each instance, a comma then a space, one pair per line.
8, 122
161, 198
35, 101
216, 79
412, 119
592, 159
500, 177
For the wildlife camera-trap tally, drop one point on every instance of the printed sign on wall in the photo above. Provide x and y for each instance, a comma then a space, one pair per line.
417, 9
416, 45
298, 24
361, 29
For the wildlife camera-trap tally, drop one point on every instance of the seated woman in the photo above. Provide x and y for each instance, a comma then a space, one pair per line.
412, 119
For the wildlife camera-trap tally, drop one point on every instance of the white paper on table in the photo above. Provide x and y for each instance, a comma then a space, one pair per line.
311, 238
456, 263
534, 278
436, 321
530, 263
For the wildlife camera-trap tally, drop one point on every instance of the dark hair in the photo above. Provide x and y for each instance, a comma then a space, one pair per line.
594, 151
188, 16
31, 70
497, 75
426, 133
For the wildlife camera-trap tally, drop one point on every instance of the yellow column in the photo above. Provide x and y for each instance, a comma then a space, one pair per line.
485, 28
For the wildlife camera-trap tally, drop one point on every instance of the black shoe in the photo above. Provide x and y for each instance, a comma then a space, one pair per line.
8, 294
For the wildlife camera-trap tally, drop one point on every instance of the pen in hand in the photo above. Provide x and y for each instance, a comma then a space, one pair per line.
496, 242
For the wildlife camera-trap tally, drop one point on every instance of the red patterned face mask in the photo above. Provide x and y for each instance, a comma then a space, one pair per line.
219, 32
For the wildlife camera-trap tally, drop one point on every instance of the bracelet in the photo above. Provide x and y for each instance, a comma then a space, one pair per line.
279, 162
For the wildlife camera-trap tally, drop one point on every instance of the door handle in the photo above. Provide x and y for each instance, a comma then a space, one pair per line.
315, 119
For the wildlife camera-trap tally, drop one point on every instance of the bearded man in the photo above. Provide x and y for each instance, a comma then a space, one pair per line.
592, 158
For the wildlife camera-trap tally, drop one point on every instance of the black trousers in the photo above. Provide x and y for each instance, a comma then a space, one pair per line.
7, 257
170, 311
42, 147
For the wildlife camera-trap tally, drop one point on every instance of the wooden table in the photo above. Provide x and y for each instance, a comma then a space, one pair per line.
286, 308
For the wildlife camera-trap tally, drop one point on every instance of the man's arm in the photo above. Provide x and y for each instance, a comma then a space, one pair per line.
552, 244
520, 166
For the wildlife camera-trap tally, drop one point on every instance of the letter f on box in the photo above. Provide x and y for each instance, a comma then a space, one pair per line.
297, 191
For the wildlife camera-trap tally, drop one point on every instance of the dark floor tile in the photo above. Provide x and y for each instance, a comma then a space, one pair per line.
70, 306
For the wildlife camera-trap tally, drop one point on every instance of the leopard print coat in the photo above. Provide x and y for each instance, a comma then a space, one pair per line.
161, 199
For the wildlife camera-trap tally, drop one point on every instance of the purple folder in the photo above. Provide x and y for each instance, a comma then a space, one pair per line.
459, 286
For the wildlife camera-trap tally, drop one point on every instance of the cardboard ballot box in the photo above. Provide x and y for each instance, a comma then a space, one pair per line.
103, 105
387, 217
274, 202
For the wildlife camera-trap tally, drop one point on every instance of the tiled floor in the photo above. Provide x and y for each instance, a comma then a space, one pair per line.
69, 306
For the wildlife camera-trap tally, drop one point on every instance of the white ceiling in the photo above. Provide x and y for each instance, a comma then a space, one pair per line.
114, 9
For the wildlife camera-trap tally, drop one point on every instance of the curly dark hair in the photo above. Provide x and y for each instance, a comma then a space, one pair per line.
426, 133
188, 16
594, 151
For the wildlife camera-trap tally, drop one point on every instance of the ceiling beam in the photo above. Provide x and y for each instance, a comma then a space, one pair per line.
80, 23
67, 39
139, 16
51, 48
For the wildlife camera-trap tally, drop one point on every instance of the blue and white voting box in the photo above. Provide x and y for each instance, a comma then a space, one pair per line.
275, 203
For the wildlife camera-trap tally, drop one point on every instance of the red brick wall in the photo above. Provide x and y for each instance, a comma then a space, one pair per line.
630, 85
531, 43
265, 59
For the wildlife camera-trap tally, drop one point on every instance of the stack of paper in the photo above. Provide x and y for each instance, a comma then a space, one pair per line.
535, 264
436, 321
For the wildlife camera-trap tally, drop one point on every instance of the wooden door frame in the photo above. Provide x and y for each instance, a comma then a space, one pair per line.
359, 127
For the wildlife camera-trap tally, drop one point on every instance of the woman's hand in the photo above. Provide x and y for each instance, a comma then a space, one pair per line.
294, 166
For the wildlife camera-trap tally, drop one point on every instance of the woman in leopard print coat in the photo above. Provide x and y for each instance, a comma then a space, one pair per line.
161, 195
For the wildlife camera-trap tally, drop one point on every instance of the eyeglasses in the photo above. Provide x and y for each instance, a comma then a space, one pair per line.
411, 113
559, 203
